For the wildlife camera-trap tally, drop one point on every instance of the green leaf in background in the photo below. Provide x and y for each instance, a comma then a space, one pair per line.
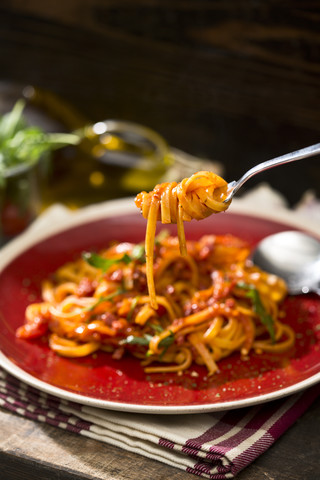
21, 144
12, 121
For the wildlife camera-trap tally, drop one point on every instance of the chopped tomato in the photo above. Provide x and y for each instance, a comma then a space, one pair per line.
37, 328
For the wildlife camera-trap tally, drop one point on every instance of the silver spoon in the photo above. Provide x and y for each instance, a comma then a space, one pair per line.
293, 256
234, 186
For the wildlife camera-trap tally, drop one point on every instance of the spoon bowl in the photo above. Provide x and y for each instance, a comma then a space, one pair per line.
294, 256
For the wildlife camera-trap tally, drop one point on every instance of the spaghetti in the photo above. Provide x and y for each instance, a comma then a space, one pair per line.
196, 197
211, 303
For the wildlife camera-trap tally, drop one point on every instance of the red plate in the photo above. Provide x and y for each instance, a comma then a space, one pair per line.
122, 385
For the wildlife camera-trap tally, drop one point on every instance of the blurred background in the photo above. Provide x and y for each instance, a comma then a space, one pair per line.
233, 83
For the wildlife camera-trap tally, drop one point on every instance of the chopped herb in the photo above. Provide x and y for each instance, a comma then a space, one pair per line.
138, 253
107, 298
259, 309
104, 264
167, 341
132, 340
145, 340
132, 307
156, 328
161, 236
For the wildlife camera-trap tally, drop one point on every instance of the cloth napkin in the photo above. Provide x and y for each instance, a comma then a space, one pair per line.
212, 445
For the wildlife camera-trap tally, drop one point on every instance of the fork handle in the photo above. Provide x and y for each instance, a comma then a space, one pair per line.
261, 167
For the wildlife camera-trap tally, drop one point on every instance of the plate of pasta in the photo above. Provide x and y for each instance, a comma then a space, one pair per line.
88, 315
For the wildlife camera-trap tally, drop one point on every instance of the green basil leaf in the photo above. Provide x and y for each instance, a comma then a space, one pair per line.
138, 253
167, 341
162, 235
156, 328
259, 309
97, 261
132, 340
125, 259
107, 298
134, 303
104, 264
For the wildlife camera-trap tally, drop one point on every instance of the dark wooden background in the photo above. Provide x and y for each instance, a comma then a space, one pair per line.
232, 80
236, 81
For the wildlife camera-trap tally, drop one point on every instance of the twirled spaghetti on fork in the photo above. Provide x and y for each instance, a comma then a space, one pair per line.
196, 197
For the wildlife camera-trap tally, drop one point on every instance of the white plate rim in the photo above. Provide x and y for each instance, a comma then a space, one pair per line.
123, 207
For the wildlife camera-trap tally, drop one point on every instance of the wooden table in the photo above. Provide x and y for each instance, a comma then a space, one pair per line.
34, 451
